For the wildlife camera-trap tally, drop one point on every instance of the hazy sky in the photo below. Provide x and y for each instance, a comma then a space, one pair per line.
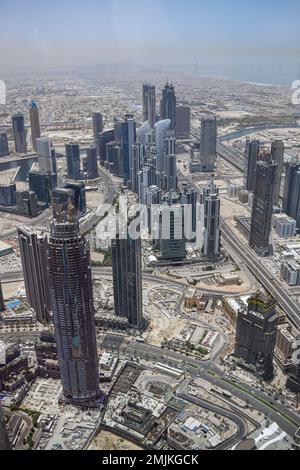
175, 32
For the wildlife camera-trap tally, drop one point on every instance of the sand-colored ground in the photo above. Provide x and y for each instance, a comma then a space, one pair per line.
108, 441
163, 327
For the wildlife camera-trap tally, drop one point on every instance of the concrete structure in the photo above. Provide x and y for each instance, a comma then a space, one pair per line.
92, 163
19, 131
168, 105
262, 210
27, 203
291, 198
256, 332
285, 227
128, 139
97, 125
8, 194
4, 150
161, 127
46, 156
208, 144
72, 305
34, 123
277, 152
183, 122
149, 104
33, 251
251, 159
73, 161
211, 232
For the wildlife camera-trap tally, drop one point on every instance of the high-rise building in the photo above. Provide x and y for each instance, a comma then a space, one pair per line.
293, 381
149, 104
4, 150
136, 164
8, 194
46, 156
27, 203
2, 304
33, 251
161, 127
172, 242
262, 209
277, 152
92, 163
291, 197
34, 123
251, 159
127, 277
97, 125
72, 305
42, 184
208, 144
183, 122
73, 161
79, 197
4, 440
114, 158
19, 132
128, 139
256, 332
104, 138
211, 205
168, 105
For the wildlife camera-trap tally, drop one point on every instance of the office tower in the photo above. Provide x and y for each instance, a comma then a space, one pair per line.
92, 163
211, 211
127, 277
172, 241
2, 304
277, 152
114, 158
262, 210
128, 139
208, 144
27, 203
73, 161
183, 122
33, 251
4, 150
97, 125
170, 168
189, 197
46, 156
8, 194
136, 164
20, 134
256, 332
293, 381
79, 198
251, 159
72, 305
160, 137
142, 133
104, 138
42, 184
4, 440
168, 105
34, 123
149, 104
291, 198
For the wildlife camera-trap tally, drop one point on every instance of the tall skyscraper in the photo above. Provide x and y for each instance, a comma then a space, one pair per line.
97, 125
168, 104
92, 163
128, 139
46, 156
160, 138
104, 138
256, 332
170, 162
42, 184
4, 440
277, 152
73, 161
211, 205
34, 123
4, 150
149, 104
172, 242
291, 197
127, 278
208, 144
262, 210
183, 122
251, 159
79, 195
2, 304
72, 305
33, 251
136, 164
293, 381
19, 132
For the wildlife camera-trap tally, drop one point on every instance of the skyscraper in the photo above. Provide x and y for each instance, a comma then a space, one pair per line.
293, 381
172, 240
19, 131
170, 162
251, 159
2, 304
46, 156
73, 161
4, 440
127, 278
4, 150
34, 123
33, 251
79, 195
42, 184
291, 197
136, 164
92, 163
208, 144
149, 104
128, 139
168, 104
277, 152
72, 305
262, 210
97, 125
256, 332
160, 138
211, 210
183, 122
